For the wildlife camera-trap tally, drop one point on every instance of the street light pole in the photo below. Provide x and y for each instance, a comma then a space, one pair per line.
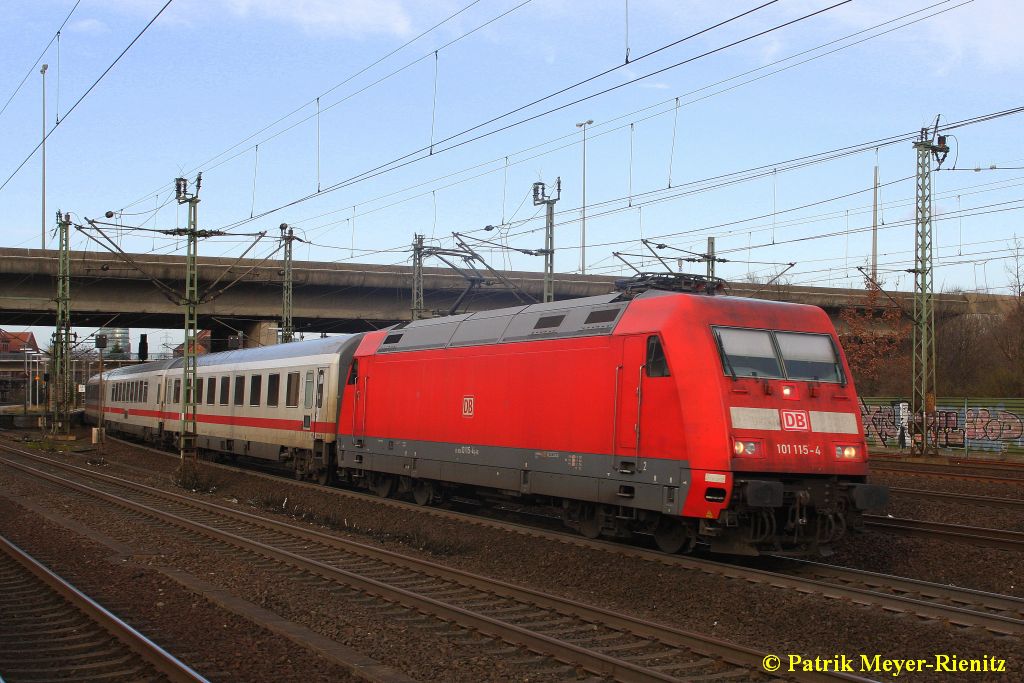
583, 223
43, 72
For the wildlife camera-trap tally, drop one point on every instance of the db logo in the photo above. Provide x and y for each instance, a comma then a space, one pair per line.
468, 404
795, 420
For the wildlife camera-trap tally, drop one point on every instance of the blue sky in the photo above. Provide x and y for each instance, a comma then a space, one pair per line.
207, 75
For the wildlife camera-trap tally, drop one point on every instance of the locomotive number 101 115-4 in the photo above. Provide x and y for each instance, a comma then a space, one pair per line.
797, 449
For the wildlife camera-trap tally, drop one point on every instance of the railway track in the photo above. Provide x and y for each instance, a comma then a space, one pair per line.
947, 497
52, 631
961, 607
990, 538
581, 636
1013, 466
996, 475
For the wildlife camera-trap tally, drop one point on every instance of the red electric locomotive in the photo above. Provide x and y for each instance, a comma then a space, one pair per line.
690, 416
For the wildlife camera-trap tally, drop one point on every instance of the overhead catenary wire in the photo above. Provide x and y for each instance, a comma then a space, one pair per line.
206, 165
674, 110
85, 94
32, 68
677, 102
411, 157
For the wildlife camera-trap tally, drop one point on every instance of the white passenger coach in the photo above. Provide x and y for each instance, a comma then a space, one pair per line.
277, 403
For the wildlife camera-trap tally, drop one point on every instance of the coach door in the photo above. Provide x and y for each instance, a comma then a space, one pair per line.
318, 405
628, 396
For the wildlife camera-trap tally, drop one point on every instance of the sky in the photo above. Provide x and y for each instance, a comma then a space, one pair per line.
372, 120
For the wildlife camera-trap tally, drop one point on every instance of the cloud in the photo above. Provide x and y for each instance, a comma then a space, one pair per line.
88, 26
656, 85
334, 16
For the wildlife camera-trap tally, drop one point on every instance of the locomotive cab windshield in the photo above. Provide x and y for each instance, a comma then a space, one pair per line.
775, 354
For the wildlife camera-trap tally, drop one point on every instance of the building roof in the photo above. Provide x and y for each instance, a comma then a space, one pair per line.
18, 341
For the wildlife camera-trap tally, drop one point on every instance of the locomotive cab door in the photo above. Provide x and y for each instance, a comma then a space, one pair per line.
628, 397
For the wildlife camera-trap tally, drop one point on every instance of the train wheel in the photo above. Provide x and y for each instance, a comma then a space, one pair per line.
672, 536
382, 485
423, 492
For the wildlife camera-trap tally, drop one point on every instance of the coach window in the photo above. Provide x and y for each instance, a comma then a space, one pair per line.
177, 391
308, 398
211, 390
273, 388
225, 389
291, 395
239, 390
145, 392
657, 364
255, 389
167, 391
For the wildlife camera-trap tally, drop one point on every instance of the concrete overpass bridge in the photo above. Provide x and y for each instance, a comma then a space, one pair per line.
328, 297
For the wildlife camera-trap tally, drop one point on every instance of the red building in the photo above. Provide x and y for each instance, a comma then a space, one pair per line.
14, 348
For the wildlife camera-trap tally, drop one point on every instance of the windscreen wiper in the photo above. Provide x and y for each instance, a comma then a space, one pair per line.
725, 357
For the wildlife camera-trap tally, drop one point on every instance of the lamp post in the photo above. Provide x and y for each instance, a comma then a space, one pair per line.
583, 223
43, 72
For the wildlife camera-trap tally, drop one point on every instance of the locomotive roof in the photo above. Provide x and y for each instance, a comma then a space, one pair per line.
587, 316
312, 347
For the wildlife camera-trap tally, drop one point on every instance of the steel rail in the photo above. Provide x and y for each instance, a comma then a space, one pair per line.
969, 610
946, 496
589, 659
989, 538
164, 662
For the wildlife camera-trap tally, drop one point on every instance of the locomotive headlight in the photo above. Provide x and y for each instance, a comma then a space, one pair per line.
847, 452
746, 449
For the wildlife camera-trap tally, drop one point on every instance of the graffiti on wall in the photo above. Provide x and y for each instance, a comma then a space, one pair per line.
997, 426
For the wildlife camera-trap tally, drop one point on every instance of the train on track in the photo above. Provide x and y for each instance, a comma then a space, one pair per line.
688, 415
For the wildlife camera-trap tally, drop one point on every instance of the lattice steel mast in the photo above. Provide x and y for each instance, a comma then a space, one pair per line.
63, 397
541, 197
190, 302
418, 308
287, 325
923, 355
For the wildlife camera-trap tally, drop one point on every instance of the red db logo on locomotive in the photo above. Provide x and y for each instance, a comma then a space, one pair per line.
795, 420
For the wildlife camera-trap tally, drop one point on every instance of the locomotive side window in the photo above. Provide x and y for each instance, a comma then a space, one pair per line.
657, 363
255, 389
809, 356
239, 389
353, 372
225, 389
273, 389
550, 321
748, 353
308, 394
211, 390
291, 394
